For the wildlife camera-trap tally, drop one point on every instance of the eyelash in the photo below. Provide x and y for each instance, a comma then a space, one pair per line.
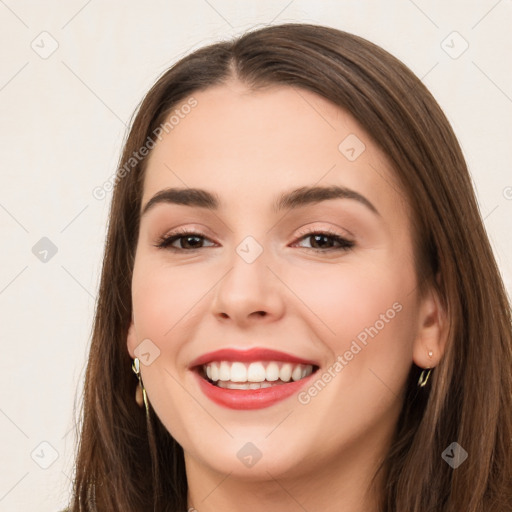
165, 241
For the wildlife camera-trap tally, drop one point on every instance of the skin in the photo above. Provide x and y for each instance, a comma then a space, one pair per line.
248, 147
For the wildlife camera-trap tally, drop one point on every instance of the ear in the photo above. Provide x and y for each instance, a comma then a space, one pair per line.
131, 339
432, 331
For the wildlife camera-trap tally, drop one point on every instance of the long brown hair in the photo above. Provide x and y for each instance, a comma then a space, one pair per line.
124, 464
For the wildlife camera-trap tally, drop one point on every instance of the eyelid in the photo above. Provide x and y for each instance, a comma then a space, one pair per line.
169, 238
328, 231
165, 241
346, 242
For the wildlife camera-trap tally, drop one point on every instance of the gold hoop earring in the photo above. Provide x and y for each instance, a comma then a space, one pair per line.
140, 393
425, 374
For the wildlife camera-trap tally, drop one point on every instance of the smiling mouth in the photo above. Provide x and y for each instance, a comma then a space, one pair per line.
254, 375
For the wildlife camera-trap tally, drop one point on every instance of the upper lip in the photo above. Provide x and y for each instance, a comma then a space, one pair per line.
250, 355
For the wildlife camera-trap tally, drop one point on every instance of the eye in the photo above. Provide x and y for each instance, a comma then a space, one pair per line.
322, 241
190, 240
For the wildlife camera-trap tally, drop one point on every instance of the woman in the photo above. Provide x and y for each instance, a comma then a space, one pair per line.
298, 275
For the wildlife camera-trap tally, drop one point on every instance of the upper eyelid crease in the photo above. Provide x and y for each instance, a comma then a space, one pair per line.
297, 198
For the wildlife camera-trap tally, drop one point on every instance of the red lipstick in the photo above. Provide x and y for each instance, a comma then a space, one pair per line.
249, 398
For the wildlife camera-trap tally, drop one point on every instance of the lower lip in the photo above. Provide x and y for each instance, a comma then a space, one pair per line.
250, 398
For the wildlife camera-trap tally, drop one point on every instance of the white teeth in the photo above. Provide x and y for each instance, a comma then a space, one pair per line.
297, 373
238, 372
286, 372
256, 374
215, 371
245, 385
225, 371
272, 372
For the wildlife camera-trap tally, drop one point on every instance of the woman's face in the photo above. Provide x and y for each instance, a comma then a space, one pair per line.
260, 272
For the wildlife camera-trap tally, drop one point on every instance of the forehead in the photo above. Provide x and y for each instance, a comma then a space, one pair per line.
249, 145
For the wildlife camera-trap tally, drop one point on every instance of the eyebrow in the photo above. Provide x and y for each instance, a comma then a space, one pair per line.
294, 199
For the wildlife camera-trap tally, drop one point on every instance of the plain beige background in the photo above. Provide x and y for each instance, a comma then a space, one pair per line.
70, 77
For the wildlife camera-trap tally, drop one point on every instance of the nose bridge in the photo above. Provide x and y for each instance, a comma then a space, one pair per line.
249, 286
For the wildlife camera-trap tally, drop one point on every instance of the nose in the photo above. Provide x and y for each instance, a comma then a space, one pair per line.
249, 293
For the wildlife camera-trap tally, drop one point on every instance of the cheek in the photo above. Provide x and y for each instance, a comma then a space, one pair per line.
162, 297
367, 322
365, 312
348, 297
163, 302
